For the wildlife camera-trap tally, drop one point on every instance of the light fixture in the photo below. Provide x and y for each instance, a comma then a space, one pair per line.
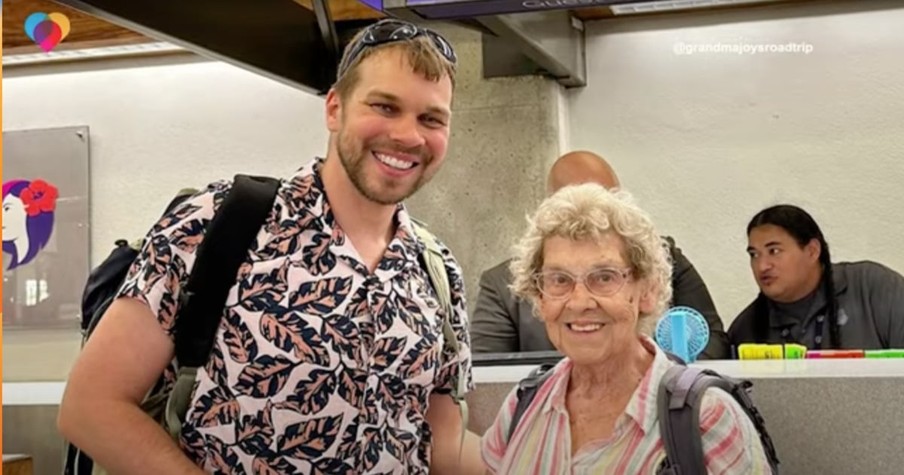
105, 52
663, 6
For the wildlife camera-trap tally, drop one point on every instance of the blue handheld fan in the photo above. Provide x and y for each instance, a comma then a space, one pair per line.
684, 332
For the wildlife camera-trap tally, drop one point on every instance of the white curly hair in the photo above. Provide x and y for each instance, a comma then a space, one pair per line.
590, 211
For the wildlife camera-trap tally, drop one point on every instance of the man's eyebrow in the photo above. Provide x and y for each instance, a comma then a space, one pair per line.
383, 95
440, 111
767, 245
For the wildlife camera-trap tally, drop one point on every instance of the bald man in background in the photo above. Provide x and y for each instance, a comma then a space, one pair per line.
503, 323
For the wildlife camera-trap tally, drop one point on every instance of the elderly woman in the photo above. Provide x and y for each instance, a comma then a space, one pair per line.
598, 275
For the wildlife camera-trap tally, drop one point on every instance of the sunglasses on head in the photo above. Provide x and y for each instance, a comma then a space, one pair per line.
388, 31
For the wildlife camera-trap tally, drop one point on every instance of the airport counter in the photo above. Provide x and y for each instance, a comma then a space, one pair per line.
843, 416
825, 417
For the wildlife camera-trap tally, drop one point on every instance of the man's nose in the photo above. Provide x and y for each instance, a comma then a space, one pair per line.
406, 132
761, 264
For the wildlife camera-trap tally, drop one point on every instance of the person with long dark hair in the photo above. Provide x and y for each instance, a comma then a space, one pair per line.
807, 299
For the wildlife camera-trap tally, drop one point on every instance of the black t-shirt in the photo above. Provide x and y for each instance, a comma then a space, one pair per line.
791, 318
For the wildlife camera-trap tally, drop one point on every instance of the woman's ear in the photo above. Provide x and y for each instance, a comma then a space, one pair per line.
537, 306
648, 299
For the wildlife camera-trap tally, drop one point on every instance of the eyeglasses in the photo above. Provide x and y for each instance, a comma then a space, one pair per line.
388, 31
600, 282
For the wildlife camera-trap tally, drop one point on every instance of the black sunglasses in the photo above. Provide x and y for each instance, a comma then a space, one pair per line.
388, 31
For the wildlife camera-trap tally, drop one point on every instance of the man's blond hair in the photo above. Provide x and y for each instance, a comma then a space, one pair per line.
422, 55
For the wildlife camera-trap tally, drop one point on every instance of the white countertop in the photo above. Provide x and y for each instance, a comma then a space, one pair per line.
50, 393
747, 369
33, 394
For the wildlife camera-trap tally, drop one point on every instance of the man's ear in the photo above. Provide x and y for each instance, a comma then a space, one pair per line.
333, 111
813, 249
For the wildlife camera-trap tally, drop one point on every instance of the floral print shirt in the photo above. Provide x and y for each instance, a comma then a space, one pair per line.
319, 365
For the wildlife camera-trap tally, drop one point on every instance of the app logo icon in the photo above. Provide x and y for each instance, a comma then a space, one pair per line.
47, 30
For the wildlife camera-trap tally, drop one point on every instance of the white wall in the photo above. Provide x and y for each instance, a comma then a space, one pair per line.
705, 141
156, 125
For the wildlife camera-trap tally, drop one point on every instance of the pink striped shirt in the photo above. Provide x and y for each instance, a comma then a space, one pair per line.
541, 445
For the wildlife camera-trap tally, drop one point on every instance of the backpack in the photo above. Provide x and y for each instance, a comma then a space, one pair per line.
228, 237
105, 280
679, 400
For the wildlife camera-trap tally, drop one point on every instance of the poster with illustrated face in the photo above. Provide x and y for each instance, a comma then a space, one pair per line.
45, 227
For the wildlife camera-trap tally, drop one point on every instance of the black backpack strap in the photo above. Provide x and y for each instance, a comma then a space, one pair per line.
225, 246
741, 392
527, 390
680, 398
228, 237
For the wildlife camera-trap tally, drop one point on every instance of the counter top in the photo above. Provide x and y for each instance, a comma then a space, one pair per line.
746, 369
50, 393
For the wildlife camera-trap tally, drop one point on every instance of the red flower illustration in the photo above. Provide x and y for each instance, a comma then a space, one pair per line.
39, 197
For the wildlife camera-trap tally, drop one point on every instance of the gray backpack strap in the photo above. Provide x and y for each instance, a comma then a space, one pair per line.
435, 265
527, 391
679, 422
436, 269
680, 398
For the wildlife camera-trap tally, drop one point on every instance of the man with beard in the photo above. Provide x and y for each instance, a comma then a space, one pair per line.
330, 357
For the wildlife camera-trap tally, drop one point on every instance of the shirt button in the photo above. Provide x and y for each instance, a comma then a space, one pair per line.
820, 318
818, 340
785, 333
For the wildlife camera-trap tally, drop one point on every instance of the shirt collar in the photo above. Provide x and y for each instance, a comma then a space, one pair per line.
839, 277
779, 319
561, 377
307, 201
641, 407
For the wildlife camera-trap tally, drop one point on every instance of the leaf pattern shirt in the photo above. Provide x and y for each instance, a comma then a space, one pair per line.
319, 365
